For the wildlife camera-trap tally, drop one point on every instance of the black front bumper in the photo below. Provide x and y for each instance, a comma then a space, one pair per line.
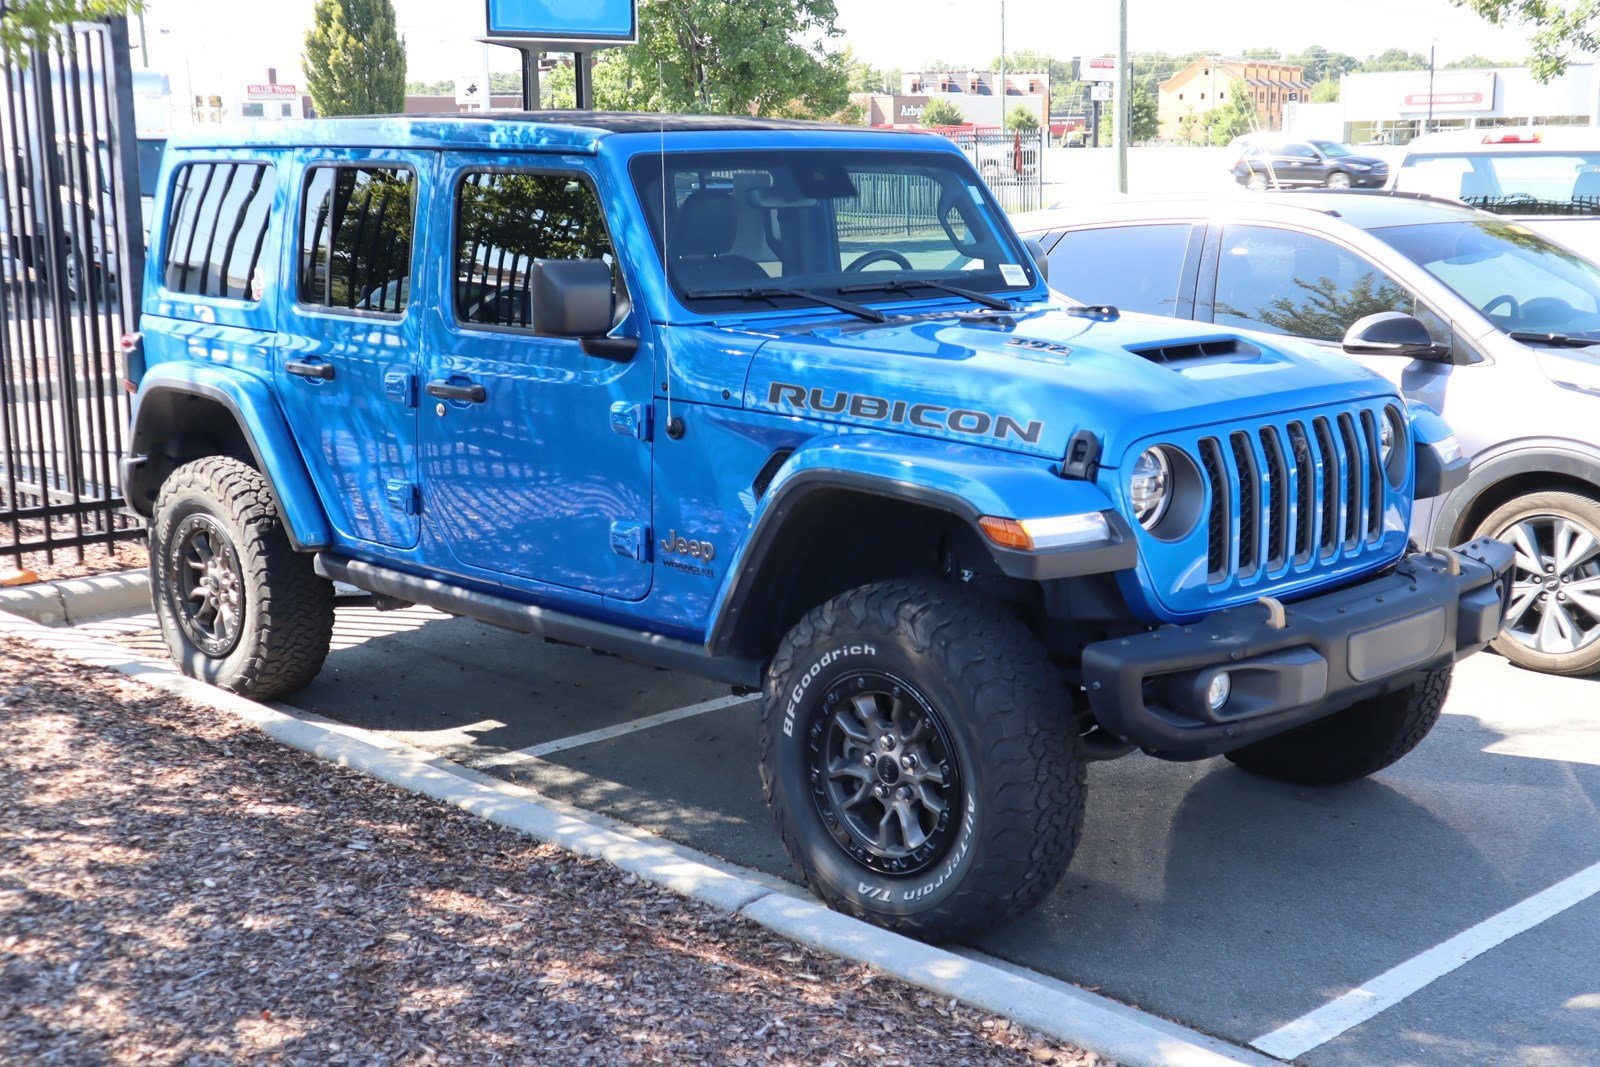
1331, 651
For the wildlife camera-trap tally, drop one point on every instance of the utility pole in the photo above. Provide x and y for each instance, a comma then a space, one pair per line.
1002, 68
1431, 47
1119, 102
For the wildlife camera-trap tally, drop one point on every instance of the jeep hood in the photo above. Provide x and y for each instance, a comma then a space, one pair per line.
1028, 381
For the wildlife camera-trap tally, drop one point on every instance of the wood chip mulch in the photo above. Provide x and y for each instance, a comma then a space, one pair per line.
176, 887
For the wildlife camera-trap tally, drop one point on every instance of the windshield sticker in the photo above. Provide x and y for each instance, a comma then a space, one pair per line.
1013, 274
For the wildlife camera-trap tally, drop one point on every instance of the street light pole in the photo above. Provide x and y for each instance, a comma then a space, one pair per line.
1002, 68
1121, 103
1431, 47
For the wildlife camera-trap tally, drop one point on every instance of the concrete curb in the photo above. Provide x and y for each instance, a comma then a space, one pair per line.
1063, 1012
70, 602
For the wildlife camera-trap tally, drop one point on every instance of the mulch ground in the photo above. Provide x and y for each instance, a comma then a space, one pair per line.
176, 887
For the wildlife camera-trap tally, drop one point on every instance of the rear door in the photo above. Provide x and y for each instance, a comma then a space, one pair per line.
347, 356
1147, 267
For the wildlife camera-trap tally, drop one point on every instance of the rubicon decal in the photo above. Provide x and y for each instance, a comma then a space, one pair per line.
966, 421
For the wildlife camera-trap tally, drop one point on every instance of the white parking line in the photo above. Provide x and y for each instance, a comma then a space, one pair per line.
526, 755
1295, 1039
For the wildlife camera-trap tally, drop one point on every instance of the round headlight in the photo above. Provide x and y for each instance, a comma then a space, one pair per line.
1386, 440
1150, 488
1392, 433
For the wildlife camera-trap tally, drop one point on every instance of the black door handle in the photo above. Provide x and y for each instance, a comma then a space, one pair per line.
473, 393
310, 370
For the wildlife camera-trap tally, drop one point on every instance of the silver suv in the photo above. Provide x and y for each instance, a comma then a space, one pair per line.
1491, 325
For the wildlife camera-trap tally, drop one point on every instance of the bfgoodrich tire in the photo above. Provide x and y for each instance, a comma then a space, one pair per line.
239, 608
918, 756
1362, 739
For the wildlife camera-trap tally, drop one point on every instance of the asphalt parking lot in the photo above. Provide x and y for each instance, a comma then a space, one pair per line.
1325, 926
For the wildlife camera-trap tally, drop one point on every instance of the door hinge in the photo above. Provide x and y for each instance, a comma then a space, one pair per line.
401, 387
631, 539
402, 496
630, 419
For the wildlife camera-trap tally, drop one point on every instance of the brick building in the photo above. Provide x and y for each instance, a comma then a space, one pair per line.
1206, 83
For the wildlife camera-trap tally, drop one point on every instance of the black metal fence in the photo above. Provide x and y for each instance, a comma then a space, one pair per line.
70, 266
1011, 162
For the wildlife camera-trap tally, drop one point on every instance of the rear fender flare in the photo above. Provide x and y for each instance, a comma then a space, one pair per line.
262, 425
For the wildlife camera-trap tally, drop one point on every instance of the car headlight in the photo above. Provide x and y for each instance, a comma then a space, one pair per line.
1150, 486
1391, 442
1359, 166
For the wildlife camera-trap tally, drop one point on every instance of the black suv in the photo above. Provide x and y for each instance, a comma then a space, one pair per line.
1289, 164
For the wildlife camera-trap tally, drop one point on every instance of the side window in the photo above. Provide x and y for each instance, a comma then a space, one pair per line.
505, 221
217, 229
355, 238
1295, 283
1298, 151
1135, 268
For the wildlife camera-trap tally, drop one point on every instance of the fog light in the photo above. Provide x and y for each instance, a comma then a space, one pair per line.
1218, 692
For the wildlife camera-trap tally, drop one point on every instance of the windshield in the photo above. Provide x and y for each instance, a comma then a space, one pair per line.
1332, 149
1520, 281
1510, 183
791, 226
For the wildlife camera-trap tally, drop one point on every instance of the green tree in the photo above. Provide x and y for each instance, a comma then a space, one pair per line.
1236, 116
1320, 64
1477, 62
1561, 29
1395, 59
1022, 117
1325, 92
942, 113
25, 24
355, 59
759, 57
1143, 122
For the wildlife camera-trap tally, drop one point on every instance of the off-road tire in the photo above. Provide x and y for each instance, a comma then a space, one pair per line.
285, 620
1575, 508
1017, 810
1351, 744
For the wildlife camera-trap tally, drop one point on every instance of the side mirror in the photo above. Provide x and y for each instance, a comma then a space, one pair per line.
1040, 260
572, 298
1393, 333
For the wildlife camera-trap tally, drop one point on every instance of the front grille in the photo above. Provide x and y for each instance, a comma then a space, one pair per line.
1282, 495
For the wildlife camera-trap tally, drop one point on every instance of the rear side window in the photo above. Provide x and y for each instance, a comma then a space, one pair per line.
355, 239
217, 229
1135, 268
1281, 281
505, 221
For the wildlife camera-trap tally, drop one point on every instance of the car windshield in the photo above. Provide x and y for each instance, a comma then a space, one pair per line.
1520, 281
787, 228
1509, 183
1332, 149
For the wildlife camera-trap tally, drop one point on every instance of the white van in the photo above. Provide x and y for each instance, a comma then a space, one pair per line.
1546, 177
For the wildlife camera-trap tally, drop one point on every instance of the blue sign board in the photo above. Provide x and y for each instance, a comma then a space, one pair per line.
585, 21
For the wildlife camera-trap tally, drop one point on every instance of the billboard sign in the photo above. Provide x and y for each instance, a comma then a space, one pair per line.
272, 91
591, 22
1097, 69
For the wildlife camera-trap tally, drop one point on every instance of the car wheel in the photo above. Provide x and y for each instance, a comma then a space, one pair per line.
919, 758
1553, 617
1338, 180
1256, 183
238, 606
1354, 743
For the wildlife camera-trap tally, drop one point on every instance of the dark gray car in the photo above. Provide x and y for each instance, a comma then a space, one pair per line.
1283, 164
1505, 344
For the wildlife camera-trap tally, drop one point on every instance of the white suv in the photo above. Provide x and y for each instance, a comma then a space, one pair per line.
1545, 177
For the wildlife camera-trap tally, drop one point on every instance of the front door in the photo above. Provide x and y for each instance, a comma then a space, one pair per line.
535, 455
348, 340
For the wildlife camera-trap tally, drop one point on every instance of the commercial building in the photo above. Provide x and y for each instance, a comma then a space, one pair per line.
1183, 100
1392, 107
976, 93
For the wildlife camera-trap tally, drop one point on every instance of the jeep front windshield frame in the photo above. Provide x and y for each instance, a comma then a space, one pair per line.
825, 221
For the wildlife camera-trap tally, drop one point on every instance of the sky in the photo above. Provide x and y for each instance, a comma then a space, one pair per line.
225, 42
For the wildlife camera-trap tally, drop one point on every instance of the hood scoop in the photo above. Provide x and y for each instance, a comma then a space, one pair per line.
1200, 352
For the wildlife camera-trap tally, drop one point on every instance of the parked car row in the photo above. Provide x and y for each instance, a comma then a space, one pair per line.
1494, 329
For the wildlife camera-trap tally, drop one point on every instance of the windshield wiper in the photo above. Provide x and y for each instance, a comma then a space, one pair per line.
764, 292
1554, 340
900, 285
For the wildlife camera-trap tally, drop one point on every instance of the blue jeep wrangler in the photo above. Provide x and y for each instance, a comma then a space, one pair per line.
787, 406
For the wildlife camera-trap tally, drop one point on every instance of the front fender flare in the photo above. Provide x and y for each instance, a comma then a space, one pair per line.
261, 423
962, 480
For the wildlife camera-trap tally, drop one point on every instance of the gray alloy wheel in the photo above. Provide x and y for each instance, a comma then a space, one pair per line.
1338, 180
1256, 183
1553, 619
